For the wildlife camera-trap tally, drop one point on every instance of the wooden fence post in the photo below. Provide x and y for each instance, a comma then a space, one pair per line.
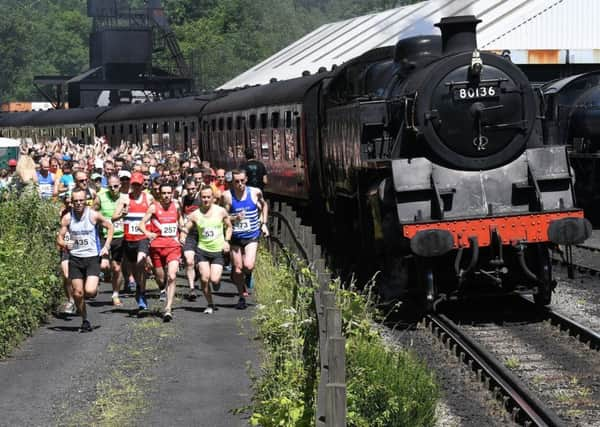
335, 414
285, 232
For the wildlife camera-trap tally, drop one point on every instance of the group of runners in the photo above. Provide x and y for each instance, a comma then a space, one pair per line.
133, 216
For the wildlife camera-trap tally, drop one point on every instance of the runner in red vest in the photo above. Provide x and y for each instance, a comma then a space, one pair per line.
136, 246
165, 249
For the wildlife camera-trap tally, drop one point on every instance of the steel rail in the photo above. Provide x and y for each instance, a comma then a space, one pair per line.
559, 257
527, 409
574, 328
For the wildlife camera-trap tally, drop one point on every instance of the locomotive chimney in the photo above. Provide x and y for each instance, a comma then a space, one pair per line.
458, 34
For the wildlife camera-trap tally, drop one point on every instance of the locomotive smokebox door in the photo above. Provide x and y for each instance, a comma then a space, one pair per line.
474, 111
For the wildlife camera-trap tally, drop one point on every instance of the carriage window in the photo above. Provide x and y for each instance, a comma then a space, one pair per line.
275, 120
253, 121
166, 127
154, 127
130, 128
213, 124
288, 119
221, 123
177, 126
229, 123
263, 120
298, 137
276, 143
122, 129
112, 130
238, 122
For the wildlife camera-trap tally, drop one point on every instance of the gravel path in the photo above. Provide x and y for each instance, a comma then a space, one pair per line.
130, 371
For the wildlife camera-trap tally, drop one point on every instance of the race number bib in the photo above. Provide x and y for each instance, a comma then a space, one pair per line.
118, 225
209, 234
168, 230
80, 243
45, 189
134, 228
241, 225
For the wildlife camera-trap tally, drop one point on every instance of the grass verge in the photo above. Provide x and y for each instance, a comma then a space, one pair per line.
384, 387
29, 287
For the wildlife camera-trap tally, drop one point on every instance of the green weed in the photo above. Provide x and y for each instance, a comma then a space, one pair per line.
384, 387
29, 286
512, 363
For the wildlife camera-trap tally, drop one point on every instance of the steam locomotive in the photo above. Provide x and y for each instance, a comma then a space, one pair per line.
572, 107
427, 161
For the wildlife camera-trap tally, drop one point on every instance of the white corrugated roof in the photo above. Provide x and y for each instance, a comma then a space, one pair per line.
516, 25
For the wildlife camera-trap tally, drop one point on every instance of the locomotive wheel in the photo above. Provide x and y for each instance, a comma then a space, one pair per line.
543, 296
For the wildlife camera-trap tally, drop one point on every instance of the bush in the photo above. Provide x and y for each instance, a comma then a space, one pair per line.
384, 387
29, 287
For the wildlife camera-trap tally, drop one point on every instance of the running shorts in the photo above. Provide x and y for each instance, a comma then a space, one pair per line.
210, 257
161, 257
81, 268
131, 249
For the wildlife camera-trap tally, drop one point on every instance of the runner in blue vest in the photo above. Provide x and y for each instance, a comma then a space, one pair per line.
249, 212
45, 179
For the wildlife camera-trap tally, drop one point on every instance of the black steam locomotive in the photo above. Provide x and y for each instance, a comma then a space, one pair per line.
427, 161
572, 110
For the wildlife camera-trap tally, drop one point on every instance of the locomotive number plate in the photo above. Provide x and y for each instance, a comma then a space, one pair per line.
468, 93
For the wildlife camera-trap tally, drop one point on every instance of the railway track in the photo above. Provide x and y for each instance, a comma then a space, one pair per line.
531, 365
586, 259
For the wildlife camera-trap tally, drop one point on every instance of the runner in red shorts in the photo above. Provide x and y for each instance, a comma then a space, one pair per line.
165, 249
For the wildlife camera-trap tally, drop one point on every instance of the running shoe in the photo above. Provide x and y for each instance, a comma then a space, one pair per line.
216, 286
192, 295
167, 317
245, 294
86, 326
208, 310
163, 295
129, 287
116, 301
67, 307
241, 305
142, 304
70, 308
227, 269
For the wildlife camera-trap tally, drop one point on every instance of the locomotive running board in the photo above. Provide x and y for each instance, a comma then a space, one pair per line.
530, 228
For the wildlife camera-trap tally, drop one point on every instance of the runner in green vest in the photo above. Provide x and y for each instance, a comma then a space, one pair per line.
209, 219
106, 202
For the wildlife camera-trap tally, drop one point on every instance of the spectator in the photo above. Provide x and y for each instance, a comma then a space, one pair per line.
25, 173
256, 172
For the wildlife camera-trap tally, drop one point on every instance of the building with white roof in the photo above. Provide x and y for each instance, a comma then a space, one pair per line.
534, 31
